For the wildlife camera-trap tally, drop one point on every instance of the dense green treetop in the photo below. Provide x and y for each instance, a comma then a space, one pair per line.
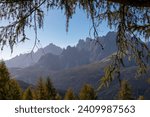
69, 95
87, 92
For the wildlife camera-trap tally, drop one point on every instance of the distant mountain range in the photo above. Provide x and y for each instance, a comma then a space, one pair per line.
85, 52
28, 59
78, 65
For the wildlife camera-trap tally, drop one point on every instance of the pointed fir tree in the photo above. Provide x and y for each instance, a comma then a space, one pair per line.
50, 90
4, 74
87, 92
14, 91
28, 94
69, 95
125, 92
40, 91
9, 88
4, 79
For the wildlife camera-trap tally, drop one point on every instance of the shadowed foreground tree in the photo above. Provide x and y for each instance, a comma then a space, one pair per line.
28, 94
50, 90
14, 91
45, 90
40, 91
131, 20
87, 92
69, 95
9, 88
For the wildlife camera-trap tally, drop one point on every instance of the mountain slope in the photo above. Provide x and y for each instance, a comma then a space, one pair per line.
92, 73
85, 52
78, 76
28, 59
94, 48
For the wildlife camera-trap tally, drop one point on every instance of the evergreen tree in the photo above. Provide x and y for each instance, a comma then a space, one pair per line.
87, 93
4, 74
69, 95
4, 79
50, 90
28, 94
40, 91
125, 92
9, 88
14, 91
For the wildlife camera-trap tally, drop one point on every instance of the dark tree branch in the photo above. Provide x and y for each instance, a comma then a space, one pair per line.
134, 3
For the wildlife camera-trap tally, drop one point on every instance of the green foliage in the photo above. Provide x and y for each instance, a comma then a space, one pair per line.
14, 91
45, 90
125, 92
40, 91
4, 78
4, 74
87, 93
28, 94
50, 90
69, 95
9, 88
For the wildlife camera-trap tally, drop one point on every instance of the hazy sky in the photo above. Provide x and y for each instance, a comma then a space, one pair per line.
54, 31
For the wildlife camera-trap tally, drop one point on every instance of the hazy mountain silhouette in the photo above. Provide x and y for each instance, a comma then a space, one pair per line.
85, 52
94, 46
28, 59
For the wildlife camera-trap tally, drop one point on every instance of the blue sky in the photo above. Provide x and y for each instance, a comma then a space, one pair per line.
54, 31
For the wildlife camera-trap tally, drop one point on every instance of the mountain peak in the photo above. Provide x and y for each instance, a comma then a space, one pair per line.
27, 59
88, 47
